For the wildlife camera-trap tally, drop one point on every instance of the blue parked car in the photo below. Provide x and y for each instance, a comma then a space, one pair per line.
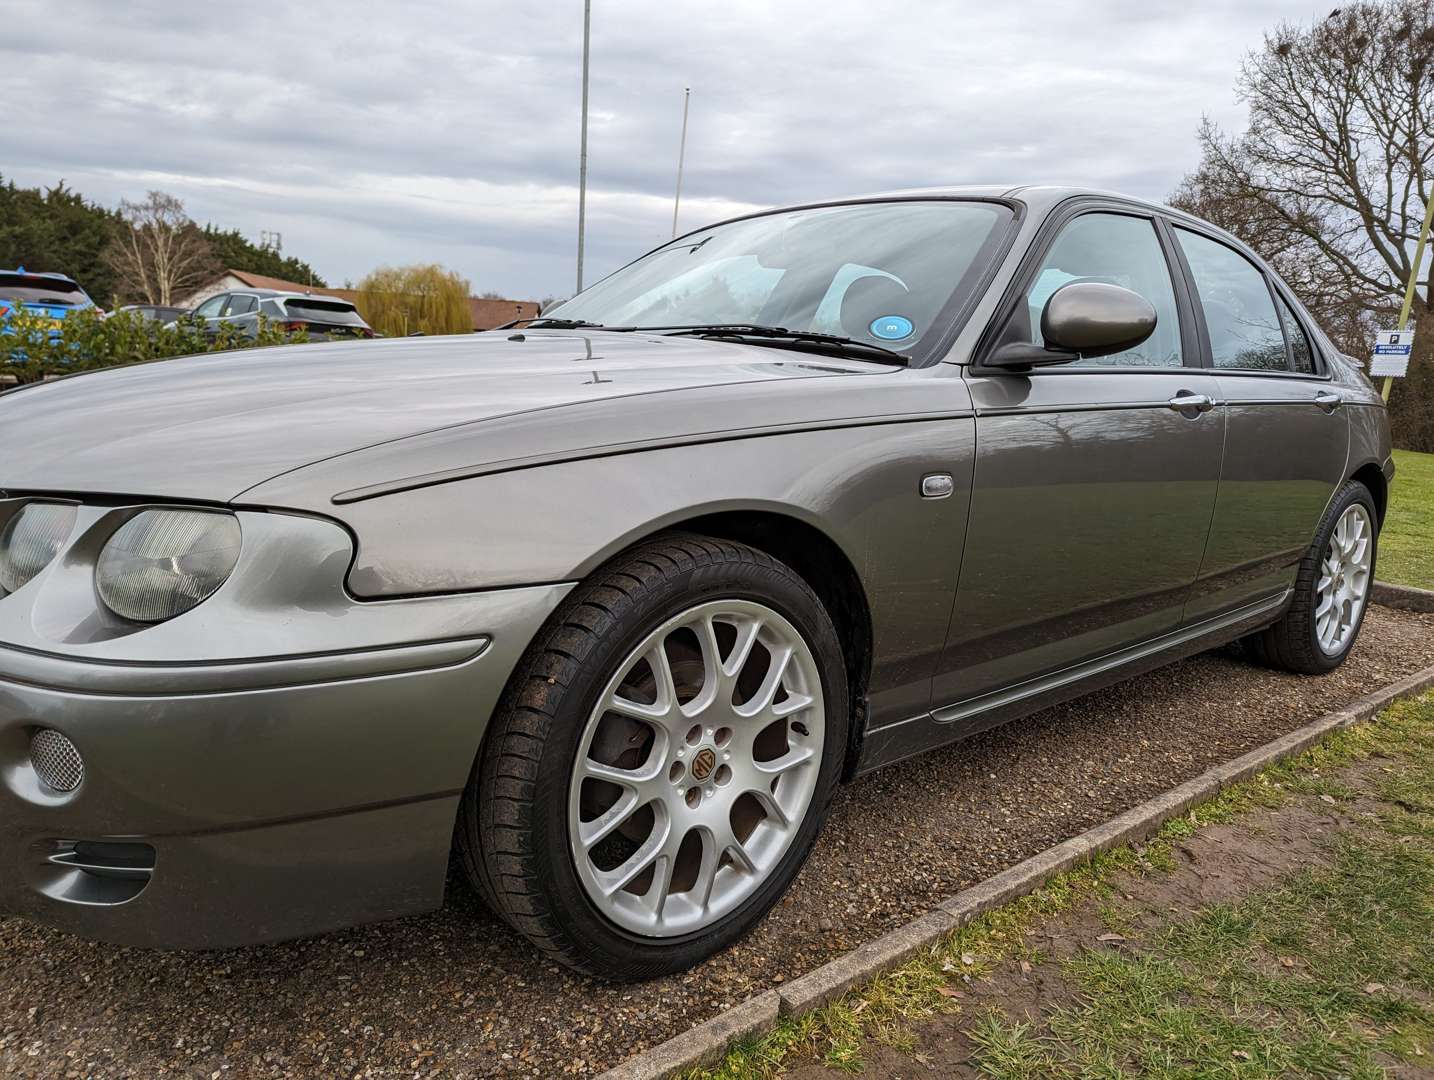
48, 296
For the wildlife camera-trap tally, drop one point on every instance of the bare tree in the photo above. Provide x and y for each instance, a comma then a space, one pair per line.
1330, 179
158, 253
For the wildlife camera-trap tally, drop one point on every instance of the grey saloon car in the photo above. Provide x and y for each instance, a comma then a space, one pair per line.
611, 604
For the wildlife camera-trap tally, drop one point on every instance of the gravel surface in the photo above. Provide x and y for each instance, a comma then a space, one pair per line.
456, 994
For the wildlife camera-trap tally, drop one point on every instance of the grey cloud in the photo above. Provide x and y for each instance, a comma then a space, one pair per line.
375, 133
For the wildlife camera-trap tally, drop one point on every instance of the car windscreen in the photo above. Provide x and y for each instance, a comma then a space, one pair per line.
29, 289
892, 273
333, 312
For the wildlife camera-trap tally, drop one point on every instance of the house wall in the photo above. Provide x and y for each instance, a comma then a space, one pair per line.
220, 284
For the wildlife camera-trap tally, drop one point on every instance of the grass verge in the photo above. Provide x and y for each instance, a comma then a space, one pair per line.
1406, 546
1328, 972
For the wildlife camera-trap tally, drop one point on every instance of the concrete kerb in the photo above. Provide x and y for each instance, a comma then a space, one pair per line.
708, 1042
1403, 597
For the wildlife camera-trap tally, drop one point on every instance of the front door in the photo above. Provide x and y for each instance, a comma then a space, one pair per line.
1094, 481
1287, 437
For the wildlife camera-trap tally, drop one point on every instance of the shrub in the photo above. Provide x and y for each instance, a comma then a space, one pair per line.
30, 350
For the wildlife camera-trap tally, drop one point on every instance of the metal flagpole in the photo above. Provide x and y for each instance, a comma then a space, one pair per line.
1413, 280
681, 154
583, 152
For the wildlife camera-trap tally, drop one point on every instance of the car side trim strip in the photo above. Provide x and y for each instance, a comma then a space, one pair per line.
914, 735
1120, 406
533, 461
1019, 692
986, 702
48, 671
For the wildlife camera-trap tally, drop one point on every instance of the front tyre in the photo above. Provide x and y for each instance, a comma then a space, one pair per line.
1331, 590
662, 761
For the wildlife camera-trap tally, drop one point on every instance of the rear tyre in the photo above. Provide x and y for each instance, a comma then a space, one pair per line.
662, 760
1331, 590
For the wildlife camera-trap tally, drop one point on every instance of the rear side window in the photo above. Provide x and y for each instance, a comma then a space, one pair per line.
1301, 353
1245, 331
333, 312
241, 305
40, 290
1116, 249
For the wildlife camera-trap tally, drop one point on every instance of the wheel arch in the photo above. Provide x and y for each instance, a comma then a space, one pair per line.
1372, 476
789, 535
822, 563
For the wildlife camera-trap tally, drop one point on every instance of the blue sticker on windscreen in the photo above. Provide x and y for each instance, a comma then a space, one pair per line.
892, 327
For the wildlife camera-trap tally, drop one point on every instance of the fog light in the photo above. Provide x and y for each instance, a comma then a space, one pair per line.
56, 760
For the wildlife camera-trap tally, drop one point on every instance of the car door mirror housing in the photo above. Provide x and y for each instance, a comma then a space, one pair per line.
1092, 318
1081, 320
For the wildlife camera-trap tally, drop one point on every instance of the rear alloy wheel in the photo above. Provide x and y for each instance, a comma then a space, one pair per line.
662, 761
1345, 573
1331, 590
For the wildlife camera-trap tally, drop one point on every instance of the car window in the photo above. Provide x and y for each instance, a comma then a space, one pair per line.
1117, 249
1301, 352
1240, 315
888, 273
336, 312
720, 291
240, 304
211, 308
28, 288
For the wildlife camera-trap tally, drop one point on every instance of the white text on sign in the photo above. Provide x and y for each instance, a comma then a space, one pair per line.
1391, 353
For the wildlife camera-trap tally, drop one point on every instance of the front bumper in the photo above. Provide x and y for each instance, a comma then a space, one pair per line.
276, 797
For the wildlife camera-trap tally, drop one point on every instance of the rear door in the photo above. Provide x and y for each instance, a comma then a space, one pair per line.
1287, 438
1094, 481
242, 312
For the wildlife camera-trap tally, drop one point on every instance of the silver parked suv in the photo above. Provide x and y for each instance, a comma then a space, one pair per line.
620, 598
321, 317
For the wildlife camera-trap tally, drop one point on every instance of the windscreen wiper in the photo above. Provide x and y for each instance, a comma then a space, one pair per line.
540, 323
781, 333
564, 324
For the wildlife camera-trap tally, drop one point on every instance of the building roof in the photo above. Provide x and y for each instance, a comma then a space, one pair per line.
486, 313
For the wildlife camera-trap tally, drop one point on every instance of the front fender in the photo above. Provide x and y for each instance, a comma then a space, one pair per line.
860, 486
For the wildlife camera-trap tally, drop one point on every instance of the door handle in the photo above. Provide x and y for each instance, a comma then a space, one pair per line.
1185, 402
1328, 400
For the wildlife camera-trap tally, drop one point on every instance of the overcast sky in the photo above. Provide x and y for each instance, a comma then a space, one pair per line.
373, 133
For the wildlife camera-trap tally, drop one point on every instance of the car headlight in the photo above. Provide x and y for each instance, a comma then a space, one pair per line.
31, 540
161, 563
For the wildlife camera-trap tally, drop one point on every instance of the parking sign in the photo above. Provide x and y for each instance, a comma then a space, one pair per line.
1391, 353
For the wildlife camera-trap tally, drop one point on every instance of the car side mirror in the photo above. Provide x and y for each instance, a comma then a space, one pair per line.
1082, 320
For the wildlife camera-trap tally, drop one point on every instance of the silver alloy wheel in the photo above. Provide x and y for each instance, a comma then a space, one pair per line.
1343, 586
696, 768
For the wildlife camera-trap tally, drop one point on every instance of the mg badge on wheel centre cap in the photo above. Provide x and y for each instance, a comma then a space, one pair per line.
704, 763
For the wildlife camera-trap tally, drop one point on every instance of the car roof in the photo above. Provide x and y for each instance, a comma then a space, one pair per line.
270, 294
20, 270
1038, 197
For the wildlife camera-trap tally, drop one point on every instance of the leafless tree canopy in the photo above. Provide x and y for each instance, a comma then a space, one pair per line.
159, 254
1330, 179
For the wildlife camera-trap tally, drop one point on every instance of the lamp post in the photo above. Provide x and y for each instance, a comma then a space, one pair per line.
583, 152
681, 154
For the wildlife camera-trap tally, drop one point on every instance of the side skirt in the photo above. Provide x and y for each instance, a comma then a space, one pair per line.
951, 723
